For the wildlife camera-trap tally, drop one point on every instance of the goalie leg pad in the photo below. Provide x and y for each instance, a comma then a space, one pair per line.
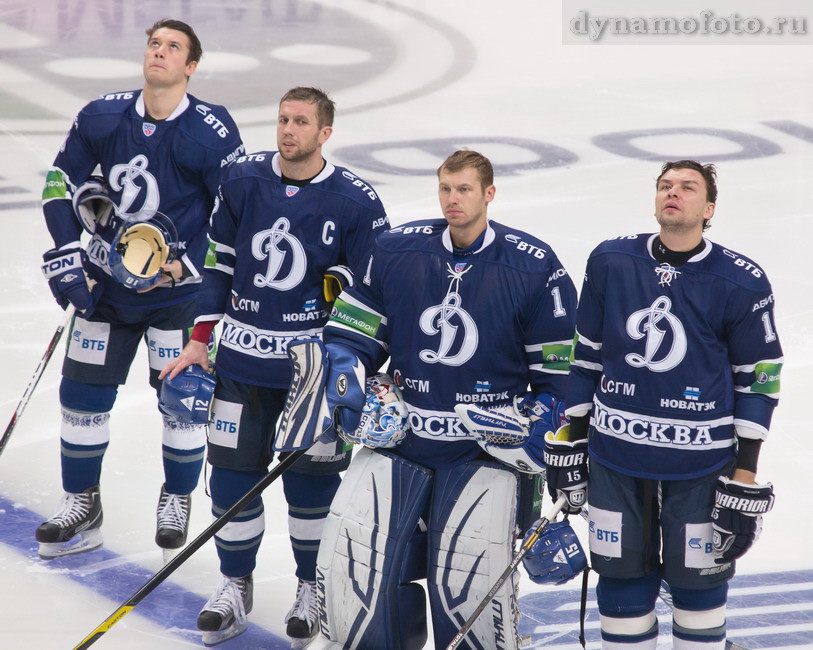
362, 561
471, 541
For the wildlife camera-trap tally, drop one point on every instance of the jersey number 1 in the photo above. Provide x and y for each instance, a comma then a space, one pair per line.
770, 335
558, 309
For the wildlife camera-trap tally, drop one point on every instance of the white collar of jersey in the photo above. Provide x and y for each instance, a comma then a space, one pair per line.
446, 238
180, 108
695, 258
322, 175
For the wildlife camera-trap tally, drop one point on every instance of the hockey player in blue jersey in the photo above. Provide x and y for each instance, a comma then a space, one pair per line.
675, 376
287, 231
468, 311
160, 153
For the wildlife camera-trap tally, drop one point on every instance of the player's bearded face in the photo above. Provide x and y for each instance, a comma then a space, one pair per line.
165, 58
680, 201
299, 136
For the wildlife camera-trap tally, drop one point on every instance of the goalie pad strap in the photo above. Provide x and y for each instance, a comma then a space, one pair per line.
364, 563
471, 541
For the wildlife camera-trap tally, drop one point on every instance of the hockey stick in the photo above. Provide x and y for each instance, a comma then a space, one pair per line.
530, 540
295, 433
66, 321
188, 550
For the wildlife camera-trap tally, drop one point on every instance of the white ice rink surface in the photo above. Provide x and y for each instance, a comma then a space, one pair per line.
563, 124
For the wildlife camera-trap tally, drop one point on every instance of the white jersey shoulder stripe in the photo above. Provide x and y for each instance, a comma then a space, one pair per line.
587, 365
752, 366
585, 341
350, 300
347, 328
537, 347
540, 367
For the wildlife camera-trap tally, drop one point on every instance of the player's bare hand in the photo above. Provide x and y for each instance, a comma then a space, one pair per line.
194, 352
173, 271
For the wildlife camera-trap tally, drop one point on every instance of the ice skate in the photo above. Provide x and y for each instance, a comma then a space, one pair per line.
172, 525
224, 614
75, 528
301, 618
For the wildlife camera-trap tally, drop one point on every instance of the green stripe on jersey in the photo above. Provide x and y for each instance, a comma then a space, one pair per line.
210, 261
767, 378
359, 319
55, 186
556, 356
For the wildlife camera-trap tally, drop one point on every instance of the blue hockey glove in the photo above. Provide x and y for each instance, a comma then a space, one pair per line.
737, 517
65, 272
546, 414
344, 391
514, 433
566, 467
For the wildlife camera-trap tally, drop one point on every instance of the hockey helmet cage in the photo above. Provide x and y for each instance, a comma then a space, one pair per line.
188, 397
556, 557
93, 205
140, 249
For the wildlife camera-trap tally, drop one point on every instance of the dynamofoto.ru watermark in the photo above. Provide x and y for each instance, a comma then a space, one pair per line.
705, 23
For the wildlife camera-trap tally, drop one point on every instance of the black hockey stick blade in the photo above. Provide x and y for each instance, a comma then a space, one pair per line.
18, 412
530, 540
188, 550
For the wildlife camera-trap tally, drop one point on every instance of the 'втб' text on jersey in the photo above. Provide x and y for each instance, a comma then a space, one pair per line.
672, 358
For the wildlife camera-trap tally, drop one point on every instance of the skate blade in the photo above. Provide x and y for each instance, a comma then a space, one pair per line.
219, 636
87, 540
169, 554
301, 643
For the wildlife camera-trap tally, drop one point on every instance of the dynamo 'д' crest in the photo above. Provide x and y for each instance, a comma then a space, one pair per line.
457, 329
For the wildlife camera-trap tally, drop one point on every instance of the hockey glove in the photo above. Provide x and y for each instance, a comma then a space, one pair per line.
514, 433
737, 517
566, 466
65, 272
337, 279
344, 391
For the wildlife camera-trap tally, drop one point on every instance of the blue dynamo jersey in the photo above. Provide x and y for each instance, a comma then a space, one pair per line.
477, 329
270, 245
672, 358
173, 167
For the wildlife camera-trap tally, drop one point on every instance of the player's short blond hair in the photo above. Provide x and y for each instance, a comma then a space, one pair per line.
465, 158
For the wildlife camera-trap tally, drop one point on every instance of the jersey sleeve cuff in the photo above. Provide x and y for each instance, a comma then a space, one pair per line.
202, 331
579, 409
750, 431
